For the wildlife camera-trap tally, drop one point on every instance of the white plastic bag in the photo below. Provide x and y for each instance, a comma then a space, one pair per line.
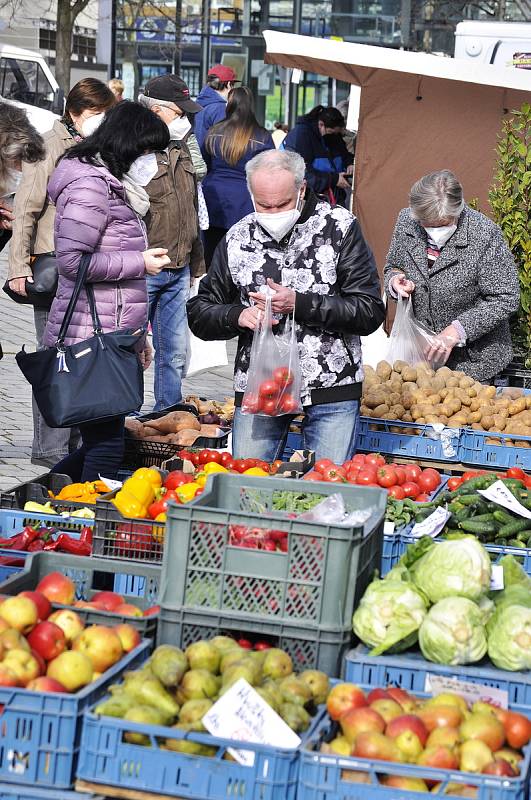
411, 341
200, 355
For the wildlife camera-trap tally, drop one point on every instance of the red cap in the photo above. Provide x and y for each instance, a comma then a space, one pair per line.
225, 74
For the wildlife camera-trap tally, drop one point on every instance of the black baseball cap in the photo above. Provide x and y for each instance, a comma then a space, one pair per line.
172, 89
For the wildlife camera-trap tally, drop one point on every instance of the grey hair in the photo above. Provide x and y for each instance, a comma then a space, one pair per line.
277, 161
19, 141
149, 102
436, 197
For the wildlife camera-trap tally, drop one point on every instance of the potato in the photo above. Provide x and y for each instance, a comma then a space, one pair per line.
447, 409
432, 419
149, 432
498, 423
134, 427
185, 437
375, 399
476, 426
454, 404
175, 421
421, 421
408, 386
452, 382
394, 399
475, 405
491, 440
474, 416
528, 401
466, 382
407, 401
516, 406
471, 392
398, 411
406, 417
365, 411
503, 402
383, 370
434, 399
380, 410
209, 430
399, 366
522, 443
395, 385
487, 421
437, 384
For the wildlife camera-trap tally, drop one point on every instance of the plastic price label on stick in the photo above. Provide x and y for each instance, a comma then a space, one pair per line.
242, 714
499, 493
471, 692
432, 525
496, 578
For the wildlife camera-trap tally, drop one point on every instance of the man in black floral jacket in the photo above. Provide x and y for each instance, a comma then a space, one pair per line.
314, 259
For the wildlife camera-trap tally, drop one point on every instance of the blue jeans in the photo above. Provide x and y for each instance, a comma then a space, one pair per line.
329, 429
101, 453
168, 292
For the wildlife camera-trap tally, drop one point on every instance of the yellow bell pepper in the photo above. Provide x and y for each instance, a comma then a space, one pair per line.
257, 471
200, 478
212, 467
187, 491
140, 488
128, 505
149, 474
160, 517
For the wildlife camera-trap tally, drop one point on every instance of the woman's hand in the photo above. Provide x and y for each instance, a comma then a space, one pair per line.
155, 260
446, 340
282, 301
402, 286
18, 285
146, 356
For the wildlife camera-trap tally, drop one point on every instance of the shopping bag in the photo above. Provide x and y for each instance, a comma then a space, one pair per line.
200, 355
410, 340
274, 378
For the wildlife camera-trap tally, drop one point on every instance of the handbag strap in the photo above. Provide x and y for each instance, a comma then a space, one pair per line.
80, 281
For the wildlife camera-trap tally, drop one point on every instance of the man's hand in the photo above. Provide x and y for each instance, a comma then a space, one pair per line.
282, 302
18, 285
350, 169
342, 182
6, 216
146, 356
250, 318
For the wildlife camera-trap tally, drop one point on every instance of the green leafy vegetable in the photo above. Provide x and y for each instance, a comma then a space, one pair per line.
509, 632
453, 632
455, 568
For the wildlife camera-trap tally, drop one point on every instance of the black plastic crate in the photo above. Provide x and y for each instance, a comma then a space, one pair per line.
36, 491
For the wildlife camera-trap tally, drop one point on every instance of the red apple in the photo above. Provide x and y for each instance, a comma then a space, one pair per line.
40, 661
129, 636
44, 684
24, 665
149, 612
439, 757
407, 722
376, 746
387, 708
440, 716
58, 588
108, 600
128, 610
343, 697
101, 644
512, 756
485, 727
69, 621
20, 613
44, 607
377, 694
407, 701
47, 639
357, 720
401, 782
499, 767
448, 737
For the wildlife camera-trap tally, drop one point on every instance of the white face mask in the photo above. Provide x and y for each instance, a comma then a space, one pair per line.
279, 223
441, 235
89, 125
12, 183
179, 127
143, 169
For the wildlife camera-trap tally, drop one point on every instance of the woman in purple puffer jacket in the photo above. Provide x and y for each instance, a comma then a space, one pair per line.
98, 191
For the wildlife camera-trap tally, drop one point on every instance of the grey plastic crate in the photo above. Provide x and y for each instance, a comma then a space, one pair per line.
317, 582
310, 647
137, 583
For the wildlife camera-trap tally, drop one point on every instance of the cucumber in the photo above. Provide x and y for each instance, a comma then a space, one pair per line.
482, 527
514, 527
481, 482
503, 516
483, 518
468, 499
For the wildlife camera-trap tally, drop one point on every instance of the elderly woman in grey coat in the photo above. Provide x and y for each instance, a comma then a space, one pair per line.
455, 266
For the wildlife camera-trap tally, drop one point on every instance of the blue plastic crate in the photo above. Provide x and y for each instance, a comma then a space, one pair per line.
41, 731
293, 442
13, 521
11, 791
106, 759
475, 450
376, 436
392, 550
8, 569
409, 671
330, 777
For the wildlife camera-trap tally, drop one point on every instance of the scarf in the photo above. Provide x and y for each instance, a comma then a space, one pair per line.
72, 130
137, 197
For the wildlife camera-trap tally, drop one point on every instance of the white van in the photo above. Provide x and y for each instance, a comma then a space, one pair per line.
505, 44
27, 81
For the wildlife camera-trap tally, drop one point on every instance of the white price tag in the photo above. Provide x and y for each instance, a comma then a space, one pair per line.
472, 692
389, 528
499, 493
113, 485
432, 525
496, 578
242, 714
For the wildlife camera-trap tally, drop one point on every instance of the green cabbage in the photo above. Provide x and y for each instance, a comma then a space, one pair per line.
389, 616
453, 632
509, 634
459, 568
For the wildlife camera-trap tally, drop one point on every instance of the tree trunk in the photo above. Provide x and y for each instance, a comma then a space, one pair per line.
63, 47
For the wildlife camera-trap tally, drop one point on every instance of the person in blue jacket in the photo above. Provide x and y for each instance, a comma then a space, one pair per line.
213, 99
228, 147
317, 137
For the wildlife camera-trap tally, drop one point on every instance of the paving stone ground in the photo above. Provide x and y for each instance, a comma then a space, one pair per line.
16, 425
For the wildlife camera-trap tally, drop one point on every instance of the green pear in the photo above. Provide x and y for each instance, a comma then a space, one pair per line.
168, 664
231, 657
257, 655
198, 684
193, 712
187, 746
246, 668
224, 643
151, 692
294, 690
318, 683
295, 716
203, 655
115, 706
266, 695
144, 715
277, 664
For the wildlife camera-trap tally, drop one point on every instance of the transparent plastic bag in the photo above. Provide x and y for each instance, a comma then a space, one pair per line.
274, 378
411, 341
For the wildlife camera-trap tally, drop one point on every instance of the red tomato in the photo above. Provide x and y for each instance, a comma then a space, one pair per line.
205, 456
289, 404
194, 458
401, 476
366, 477
359, 458
252, 404
413, 472
397, 492
322, 464
352, 475
411, 489
177, 478
226, 458
436, 474
269, 406
349, 465
241, 464
283, 376
428, 480
374, 460
516, 472
313, 476
214, 457
422, 498
334, 474
269, 390
262, 646
454, 483
386, 476
275, 466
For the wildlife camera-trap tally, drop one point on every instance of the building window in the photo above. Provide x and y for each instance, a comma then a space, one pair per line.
84, 46
47, 38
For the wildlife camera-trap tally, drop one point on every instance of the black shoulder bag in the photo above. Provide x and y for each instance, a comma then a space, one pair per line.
92, 380
42, 289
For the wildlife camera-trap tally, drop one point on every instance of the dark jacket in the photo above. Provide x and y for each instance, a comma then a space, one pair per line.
214, 106
172, 217
323, 163
474, 281
225, 186
325, 259
93, 216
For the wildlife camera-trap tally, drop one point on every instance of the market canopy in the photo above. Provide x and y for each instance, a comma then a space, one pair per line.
418, 113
